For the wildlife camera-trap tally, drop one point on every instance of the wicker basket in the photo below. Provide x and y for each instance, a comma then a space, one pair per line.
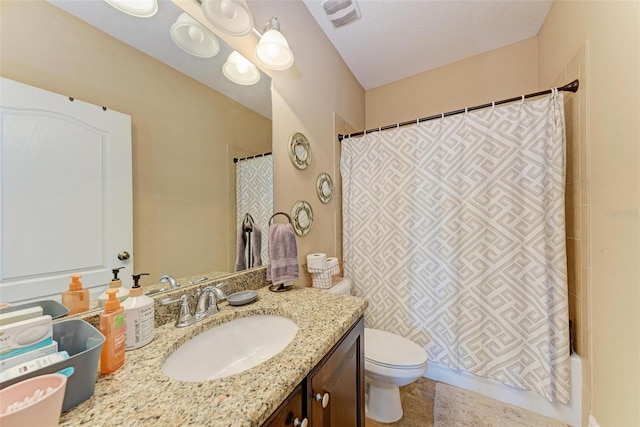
324, 279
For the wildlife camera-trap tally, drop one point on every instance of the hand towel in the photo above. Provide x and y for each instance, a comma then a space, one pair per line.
249, 240
283, 254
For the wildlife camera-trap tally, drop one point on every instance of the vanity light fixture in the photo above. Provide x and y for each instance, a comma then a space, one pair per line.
139, 8
193, 38
229, 16
240, 70
273, 49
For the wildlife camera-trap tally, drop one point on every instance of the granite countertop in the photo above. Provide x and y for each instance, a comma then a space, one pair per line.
140, 394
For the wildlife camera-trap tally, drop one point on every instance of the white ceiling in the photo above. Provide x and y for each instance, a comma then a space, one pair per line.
395, 39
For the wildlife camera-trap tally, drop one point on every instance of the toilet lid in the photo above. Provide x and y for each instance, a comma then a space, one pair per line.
388, 349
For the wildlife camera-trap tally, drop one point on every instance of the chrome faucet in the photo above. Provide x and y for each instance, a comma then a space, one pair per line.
171, 280
207, 303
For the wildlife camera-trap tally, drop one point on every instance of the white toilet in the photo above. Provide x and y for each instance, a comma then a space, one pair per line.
390, 362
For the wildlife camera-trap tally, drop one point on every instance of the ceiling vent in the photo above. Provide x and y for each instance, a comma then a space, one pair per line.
341, 12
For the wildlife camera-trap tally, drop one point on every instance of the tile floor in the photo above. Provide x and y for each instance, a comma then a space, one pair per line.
417, 404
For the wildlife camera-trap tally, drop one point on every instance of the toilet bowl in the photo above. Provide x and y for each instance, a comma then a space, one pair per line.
390, 361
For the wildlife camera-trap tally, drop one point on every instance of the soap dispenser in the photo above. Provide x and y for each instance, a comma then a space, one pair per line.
113, 328
76, 299
139, 316
115, 283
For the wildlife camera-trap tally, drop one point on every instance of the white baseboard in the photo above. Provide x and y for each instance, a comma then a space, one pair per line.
593, 422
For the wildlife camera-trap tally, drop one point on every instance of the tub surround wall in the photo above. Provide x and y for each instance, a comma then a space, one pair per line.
604, 37
577, 213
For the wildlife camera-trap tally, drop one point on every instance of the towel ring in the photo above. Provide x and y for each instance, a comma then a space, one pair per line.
279, 213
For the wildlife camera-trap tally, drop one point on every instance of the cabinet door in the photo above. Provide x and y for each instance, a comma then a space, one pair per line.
338, 383
289, 411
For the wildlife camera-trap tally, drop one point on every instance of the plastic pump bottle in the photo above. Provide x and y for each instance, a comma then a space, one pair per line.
113, 328
139, 316
115, 283
76, 299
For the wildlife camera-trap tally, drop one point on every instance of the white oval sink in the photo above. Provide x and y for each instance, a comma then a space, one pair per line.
230, 348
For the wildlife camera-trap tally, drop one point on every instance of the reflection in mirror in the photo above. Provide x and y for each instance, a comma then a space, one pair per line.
188, 123
254, 205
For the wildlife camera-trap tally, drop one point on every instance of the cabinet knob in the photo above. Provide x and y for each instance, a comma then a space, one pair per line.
298, 423
324, 399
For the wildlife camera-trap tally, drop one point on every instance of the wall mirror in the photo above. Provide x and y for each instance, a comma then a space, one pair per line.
189, 123
299, 150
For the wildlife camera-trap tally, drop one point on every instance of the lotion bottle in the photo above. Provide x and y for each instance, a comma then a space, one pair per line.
139, 316
113, 328
115, 283
76, 299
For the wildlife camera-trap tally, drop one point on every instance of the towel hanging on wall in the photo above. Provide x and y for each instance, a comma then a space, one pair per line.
249, 244
283, 255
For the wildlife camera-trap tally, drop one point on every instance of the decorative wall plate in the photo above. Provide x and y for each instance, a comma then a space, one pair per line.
324, 187
302, 216
299, 150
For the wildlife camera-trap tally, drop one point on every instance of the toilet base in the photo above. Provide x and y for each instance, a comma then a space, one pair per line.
383, 403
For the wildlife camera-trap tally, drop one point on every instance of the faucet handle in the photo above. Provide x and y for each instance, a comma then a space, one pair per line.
185, 318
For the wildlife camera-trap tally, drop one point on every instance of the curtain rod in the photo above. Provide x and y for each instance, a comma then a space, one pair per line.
569, 87
236, 160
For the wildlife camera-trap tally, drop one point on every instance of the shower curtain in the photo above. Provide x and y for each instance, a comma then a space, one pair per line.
454, 232
254, 195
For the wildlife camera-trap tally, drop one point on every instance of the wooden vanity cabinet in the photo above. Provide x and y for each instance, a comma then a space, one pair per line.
290, 410
338, 380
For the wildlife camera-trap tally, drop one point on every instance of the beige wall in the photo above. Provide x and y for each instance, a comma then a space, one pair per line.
305, 99
607, 179
490, 76
184, 134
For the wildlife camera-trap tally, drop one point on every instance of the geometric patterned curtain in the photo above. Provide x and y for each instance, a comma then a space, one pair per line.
454, 232
254, 195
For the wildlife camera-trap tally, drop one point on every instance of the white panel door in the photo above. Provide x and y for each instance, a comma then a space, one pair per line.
66, 193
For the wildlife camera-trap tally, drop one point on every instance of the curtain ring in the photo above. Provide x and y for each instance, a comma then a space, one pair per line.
522, 98
365, 132
493, 105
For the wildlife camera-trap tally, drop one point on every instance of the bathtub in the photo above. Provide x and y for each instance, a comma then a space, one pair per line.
570, 413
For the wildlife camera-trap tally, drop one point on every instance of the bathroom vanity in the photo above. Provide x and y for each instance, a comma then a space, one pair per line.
325, 360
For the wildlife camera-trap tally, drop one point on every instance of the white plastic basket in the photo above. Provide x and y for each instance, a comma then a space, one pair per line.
323, 279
